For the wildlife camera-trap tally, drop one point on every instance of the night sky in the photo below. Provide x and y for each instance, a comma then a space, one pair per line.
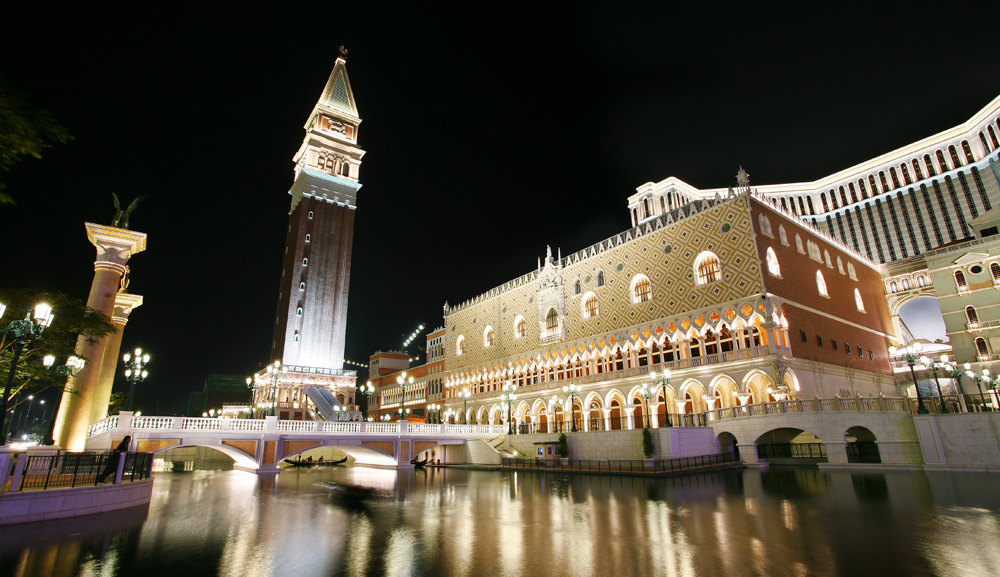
491, 132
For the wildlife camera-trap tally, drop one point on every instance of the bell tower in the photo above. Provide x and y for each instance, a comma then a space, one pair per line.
310, 325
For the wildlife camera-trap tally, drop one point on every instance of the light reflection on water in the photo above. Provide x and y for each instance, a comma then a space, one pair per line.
796, 521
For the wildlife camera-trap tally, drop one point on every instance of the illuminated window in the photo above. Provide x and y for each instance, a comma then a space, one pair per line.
826, 258
798, 244
590, 308
893, 287
922, 281
916, 169
772, 263
821, 284
840, 265
551, 322
707, 268
930, 165
954, 156
906, 284
460, 345
298, 312
857, 300
305, 262
310, 215
906, 173
851, 272
942, 161
489, 337
302, 286
520, 327
642, 291
309, 238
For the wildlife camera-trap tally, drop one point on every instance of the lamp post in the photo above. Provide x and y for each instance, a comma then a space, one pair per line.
31, 327
556, 402
934, 364
134, 373
909, 354
573, 391
403, 381
253, 383
366, 390
432, 411
465, 394
508, 397
448, 415
992, 383
956, 373
663, 381
274, 371
646, 394
978, 380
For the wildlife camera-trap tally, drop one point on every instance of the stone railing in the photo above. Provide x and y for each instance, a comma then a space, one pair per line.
810, 406
982, 326
273, 425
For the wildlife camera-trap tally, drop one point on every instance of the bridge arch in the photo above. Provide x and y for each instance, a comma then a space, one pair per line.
239, 457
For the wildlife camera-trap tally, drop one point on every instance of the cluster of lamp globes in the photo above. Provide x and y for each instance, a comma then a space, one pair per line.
136, 369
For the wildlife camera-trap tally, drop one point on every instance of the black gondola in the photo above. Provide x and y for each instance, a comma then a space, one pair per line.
419, 464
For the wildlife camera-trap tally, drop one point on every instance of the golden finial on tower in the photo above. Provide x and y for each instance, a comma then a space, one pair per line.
343, 53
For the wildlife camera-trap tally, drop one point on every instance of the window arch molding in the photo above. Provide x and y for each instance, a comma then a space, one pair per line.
641, 289
489, 336
460, 345
821, 284
707, 268
858, 301
520, 327
589, 305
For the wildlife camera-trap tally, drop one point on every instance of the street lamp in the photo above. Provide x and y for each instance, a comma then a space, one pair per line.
134, 372
508, 397
992, 383
663, 381
934, 364
448, 415
978, 379
274, 370
646, 394
556, 402
909, 354
573, 391
464, 395
956, 373
31, 327
432, 411
403, 381
366, 390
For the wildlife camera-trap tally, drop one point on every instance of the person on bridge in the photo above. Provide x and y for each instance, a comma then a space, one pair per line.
111, 466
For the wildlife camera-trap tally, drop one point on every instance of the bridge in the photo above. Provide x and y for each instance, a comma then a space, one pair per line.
259, 445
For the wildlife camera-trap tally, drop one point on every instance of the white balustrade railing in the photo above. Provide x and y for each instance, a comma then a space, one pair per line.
382, 427
810, 406
152, 423
344, 427
247, 424
108, 424
422, 428
297, 426
201, 424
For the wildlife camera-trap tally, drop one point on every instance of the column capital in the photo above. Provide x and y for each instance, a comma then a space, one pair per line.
125, 303
114, 245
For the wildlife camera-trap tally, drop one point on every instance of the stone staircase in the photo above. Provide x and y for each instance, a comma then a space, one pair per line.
499, 445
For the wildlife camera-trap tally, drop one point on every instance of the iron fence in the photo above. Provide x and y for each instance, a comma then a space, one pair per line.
84, 468
623, 466
791, 451
863, 452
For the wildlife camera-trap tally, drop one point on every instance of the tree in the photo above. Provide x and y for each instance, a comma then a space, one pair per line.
117, 403
647, 443
24, 130
72, 318
563, 445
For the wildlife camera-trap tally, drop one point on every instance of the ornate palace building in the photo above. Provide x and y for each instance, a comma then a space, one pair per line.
311, 321
743, 295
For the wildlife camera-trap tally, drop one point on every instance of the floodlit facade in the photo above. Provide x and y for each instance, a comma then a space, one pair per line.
740, 300
427, 388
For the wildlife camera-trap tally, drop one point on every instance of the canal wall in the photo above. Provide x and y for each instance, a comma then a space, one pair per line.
670, 443
29, 506
968, 442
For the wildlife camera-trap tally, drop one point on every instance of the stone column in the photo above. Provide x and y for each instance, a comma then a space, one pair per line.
125, 303
607, 419
114, 247
586, 419
630, 414
654, 414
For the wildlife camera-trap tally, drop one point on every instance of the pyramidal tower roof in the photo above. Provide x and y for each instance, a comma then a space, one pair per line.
337, 96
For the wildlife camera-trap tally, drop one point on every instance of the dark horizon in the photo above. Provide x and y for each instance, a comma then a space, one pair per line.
489, 135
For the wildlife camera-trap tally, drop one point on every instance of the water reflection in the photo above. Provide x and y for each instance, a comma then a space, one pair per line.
791, 521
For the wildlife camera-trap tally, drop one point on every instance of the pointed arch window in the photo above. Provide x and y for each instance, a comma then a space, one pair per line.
707, 268
972, 315
840, 265
821, 284
600, 278
489, 337
826, 258
577, 287
460, 345
520, 327
772, 263
858, 301
798, 244
960, 281
642, 290
590, 308
851, 272
782, 235
551, 322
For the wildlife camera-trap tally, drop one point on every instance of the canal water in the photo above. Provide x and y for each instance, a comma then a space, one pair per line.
787, 521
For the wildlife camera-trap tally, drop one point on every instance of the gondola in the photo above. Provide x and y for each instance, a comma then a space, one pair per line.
329, 463
419, 464
300, 463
